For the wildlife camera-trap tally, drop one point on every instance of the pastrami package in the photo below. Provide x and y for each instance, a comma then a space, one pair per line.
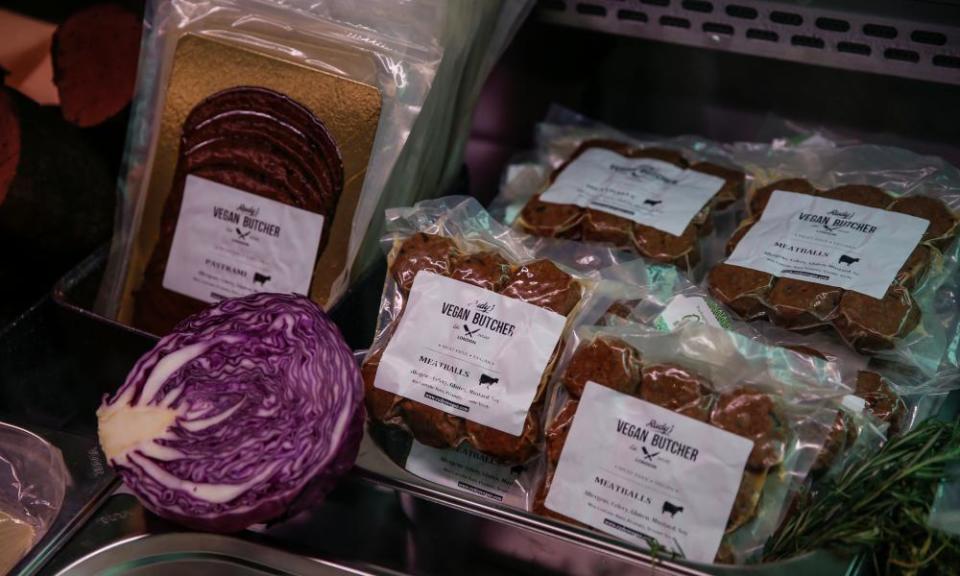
261, 140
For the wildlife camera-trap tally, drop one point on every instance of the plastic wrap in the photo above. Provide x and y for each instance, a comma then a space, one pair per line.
490, 307
636, 178
376, 51
915, 322
945, 512
782, 402
33, 480
897, 396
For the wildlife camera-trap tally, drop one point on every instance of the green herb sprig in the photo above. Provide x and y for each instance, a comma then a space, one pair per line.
882, 505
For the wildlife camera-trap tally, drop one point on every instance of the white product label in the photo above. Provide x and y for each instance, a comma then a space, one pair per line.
469, 352
465, 469
232, 243
829, 242
854, 403
690, 309
640, 472
647, 191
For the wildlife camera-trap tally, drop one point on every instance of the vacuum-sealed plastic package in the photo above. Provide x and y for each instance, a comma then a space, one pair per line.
33, 480
471, 322
897, 396
662, 198
261, 137
693, 438
860, 239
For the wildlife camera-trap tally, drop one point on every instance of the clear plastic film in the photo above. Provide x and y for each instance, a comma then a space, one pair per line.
665, 198
945, 512
784, 404
33, 480
472, 319
915, 321
377, 53
898, 396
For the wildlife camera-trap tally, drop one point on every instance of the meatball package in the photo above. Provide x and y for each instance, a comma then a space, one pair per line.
262, 136
690, 441
857, 239
663, 199
471, 322
896, 396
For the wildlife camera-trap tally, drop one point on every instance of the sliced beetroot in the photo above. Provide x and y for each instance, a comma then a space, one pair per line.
95, 55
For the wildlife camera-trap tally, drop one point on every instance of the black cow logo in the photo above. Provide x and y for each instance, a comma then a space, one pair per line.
647, 455
652, 202
260, 279
671, 508
469, 331
488, 380
243, 235
848, 260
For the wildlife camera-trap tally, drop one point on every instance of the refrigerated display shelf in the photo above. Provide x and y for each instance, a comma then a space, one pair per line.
906, 38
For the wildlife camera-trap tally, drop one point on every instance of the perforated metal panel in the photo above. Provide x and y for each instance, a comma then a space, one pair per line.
906, 38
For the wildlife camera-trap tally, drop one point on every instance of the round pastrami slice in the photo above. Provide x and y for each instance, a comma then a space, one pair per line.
247, 412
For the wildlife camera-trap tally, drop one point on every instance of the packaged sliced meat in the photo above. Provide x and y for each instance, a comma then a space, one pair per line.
729, 424
471, 323
859, 240
266, 174
667, 200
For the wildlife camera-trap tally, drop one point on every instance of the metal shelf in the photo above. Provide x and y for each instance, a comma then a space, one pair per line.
906, 38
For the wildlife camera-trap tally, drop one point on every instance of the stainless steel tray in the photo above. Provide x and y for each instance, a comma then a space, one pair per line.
190, 554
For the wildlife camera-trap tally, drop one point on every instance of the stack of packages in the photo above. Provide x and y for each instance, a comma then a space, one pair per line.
668, 340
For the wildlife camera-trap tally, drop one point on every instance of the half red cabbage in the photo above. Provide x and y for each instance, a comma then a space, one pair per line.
247, 412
